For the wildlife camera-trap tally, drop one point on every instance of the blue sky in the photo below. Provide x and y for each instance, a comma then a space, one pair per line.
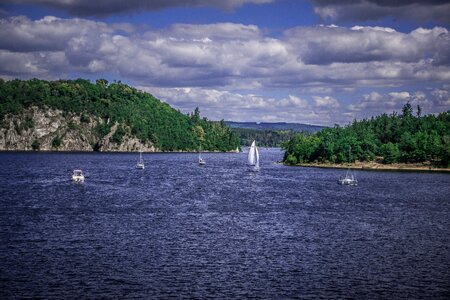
317, 62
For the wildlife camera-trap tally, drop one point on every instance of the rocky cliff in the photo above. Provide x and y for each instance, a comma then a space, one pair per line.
55, 130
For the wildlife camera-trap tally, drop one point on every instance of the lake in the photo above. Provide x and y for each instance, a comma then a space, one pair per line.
180, 230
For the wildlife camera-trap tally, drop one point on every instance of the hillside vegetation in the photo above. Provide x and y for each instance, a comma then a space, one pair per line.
276, 126
128, 110
405, 138
264, 138
268, 134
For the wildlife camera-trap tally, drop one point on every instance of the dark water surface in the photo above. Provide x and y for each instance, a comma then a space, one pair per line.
177, 229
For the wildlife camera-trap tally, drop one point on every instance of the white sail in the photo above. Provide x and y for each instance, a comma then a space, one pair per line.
253, 157
140, 163
251, 154
350, 177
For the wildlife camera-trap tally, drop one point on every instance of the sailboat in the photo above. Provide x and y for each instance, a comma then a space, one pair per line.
253, 157
140, 163
349, 178
201, 161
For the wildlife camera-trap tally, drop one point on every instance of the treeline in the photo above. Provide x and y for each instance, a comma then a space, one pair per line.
406, 138
149, 118
264, 138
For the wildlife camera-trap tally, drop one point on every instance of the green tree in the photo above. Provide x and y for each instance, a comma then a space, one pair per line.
396, 138
390, 152
148, 118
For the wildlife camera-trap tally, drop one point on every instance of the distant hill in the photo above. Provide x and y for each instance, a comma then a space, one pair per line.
269, 134
275, 126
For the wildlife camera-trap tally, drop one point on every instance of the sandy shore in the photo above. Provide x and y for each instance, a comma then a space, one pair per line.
378, 166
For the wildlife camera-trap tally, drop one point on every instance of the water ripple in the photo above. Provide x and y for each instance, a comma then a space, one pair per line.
177, 230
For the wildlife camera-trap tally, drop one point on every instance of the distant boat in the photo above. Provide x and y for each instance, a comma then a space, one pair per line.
77, 176
201, 161
349, 178
140, 163
253, 157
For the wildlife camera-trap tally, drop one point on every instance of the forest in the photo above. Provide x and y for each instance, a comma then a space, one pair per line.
269, 134
408, 137
264, 138
149, 118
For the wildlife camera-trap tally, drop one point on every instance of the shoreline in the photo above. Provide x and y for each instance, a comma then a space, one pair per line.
373, 166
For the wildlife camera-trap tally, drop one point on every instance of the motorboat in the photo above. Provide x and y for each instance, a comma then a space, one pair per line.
77, 176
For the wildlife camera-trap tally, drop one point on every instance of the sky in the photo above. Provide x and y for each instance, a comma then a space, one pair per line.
319, 62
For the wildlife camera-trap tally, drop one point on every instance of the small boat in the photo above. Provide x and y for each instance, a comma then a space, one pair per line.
140, 163
201, 161
348, 179
253, 157
77, 176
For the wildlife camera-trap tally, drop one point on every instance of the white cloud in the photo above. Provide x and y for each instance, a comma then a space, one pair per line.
330, 44
325, 102
217, 104
234, 55
237, 64
441, 98
376, 103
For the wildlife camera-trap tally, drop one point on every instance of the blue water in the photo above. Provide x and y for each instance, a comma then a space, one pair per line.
180, 230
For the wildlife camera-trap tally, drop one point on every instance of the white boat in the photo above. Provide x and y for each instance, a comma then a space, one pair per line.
253, 157
201, 161
77, 176
349, 178
140, 163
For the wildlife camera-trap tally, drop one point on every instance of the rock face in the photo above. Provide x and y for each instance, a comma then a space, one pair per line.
55, 130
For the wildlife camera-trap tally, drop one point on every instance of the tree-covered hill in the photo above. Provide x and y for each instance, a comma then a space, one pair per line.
275, 126
146, 117
405, 138
268, 134
264, 138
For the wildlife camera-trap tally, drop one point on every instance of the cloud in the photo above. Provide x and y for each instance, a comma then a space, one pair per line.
330, 44
85, 8
237, 63
441, 98
217, 104
229, 55
375, 103
326, 102
365, 10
